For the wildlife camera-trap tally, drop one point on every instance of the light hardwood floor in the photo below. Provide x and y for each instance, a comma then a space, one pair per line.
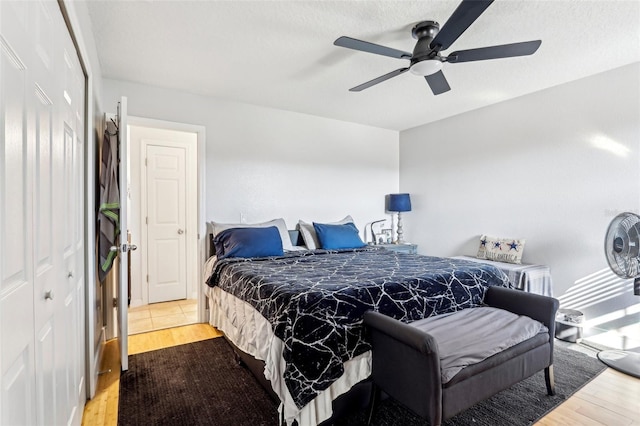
158, 316
611, 399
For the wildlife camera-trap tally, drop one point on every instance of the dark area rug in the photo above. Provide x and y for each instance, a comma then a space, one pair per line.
201, 384
195, 384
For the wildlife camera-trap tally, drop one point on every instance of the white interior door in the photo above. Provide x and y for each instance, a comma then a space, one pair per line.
122, 284
166, 223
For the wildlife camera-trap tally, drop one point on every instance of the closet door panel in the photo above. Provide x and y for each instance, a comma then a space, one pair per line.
44, 181
67, 195
43, 105
69, 351
14, 171
79, 270
46, 396
47, 261
17, 133
17, 392
71, 222
46, 17
71, 191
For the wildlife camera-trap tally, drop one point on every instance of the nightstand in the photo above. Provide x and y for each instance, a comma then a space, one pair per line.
400, 248
527, 277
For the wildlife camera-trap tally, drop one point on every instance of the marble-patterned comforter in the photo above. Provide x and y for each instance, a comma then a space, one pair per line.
315, 301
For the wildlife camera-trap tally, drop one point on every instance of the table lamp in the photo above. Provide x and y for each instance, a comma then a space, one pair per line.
399, 203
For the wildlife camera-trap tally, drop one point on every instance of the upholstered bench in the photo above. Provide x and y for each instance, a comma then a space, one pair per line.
442, 365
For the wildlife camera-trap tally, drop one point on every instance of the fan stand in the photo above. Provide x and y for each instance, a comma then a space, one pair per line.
623, 225
623, 361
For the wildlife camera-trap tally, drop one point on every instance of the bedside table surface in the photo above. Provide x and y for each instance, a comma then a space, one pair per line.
529, 277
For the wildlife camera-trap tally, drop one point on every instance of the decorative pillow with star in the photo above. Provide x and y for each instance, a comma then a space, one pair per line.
507, 250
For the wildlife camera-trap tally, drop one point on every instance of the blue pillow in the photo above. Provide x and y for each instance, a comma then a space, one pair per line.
248, 242
338, 236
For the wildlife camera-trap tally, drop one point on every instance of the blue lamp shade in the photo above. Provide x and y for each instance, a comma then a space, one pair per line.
398, 203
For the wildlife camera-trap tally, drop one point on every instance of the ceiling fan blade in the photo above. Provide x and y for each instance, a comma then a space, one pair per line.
466, 13
365, 46
378, 80
495, 52
437, 82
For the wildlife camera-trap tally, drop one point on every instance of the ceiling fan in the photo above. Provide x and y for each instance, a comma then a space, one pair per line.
426, 59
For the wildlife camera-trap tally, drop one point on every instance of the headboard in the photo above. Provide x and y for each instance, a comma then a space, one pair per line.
294, 235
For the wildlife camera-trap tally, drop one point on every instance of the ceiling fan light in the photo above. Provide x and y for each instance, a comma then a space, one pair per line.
426, 67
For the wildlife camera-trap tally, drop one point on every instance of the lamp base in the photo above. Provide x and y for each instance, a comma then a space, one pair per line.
623, 361
400, 239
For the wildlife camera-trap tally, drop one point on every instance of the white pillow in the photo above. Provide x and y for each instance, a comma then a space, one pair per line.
309, 233
278, 223
501, 249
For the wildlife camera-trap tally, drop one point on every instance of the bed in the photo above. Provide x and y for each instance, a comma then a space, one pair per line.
300, 313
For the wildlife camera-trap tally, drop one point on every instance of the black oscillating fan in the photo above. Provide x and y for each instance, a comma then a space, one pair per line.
622, 248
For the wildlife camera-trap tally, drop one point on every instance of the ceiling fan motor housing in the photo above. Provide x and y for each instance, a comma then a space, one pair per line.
425, 60
425, 29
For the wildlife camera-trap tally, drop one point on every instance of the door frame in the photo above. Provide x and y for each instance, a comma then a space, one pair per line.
200, 203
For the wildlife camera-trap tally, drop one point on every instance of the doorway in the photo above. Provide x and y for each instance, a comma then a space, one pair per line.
163, 216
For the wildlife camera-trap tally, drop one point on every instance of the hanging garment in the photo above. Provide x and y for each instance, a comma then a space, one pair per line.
109, 209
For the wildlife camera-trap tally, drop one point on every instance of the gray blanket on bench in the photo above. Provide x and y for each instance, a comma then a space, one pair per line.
472, 335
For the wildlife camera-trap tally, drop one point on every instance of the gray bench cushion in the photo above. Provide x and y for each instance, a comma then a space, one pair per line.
466, 338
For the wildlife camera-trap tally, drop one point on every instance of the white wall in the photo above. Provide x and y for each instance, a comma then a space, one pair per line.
553, 167
263, 163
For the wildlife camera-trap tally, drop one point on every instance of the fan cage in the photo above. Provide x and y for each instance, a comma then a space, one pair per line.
622, 245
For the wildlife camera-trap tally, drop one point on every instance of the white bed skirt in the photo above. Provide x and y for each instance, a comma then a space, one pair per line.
252, 333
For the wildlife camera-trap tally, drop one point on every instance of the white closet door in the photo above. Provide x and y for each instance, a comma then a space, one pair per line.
46, 178
79, 278
16, 251
41, 210
68, 219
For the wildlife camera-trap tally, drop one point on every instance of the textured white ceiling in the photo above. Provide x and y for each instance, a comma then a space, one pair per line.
280, 54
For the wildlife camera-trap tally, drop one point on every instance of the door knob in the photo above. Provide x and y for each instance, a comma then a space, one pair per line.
48, 295
113, 248
180, 231
133, 247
